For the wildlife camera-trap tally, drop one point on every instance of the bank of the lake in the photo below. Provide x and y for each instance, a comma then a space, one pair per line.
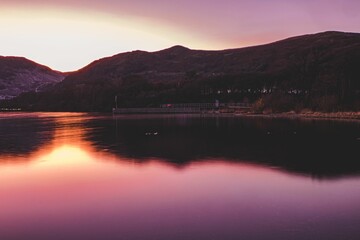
308, 114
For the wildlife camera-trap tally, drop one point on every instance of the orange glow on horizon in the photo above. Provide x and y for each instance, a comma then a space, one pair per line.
67, 40
67, 35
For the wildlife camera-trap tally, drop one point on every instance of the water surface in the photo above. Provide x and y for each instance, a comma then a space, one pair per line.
86, 176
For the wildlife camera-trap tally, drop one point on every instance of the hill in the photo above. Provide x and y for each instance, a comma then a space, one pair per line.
18, 75
319, 71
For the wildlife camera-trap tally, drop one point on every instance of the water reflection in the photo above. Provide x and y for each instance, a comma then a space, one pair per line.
25, 136
80, 176
320, 149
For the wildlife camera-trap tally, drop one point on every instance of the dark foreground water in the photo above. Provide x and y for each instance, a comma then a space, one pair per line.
81, 176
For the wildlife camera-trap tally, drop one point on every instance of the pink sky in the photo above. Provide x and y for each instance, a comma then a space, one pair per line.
210, 24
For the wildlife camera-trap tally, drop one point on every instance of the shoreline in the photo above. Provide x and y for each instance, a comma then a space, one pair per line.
355, 116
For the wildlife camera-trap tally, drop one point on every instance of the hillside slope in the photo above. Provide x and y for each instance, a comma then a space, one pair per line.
312, 70
18, 75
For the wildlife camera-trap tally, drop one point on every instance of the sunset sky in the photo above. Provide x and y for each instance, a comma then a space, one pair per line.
67, 35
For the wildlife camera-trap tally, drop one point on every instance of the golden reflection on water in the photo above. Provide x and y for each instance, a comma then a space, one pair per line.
67, 144
66, 156
66, 171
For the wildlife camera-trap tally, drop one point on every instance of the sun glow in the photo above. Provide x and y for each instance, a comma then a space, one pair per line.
68, 40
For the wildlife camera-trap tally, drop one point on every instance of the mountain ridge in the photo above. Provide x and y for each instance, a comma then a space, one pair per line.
316, 68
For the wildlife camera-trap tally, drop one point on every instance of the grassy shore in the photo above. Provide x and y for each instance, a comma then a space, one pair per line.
307, 114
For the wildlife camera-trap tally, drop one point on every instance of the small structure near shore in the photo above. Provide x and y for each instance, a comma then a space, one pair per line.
185, 108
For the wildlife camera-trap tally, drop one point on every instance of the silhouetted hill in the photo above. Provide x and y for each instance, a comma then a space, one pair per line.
18, 75
319, 71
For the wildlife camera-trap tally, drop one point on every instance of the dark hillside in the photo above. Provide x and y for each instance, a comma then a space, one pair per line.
18, 75
319, 71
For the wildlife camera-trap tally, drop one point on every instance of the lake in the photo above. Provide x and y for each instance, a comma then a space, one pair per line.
93, 176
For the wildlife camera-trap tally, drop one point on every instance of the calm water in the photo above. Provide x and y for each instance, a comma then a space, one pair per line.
81, 176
